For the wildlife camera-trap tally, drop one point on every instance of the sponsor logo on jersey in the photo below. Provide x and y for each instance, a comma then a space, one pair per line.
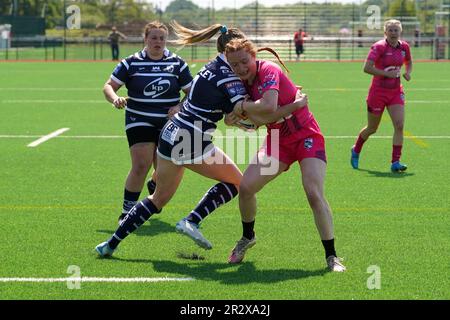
235, 88
308, 143
156, 88
170, 133
169, 69
156, 68
269, 83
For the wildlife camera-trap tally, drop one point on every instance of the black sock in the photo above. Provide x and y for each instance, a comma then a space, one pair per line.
247, 229
129, 200
151, 186
218, 195
329, 248
140, 213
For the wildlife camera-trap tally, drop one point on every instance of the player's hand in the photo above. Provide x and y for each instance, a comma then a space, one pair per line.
301, 100
298, 94
407, 76
395, 73
173, 110
237, 110
231, 119
120, 103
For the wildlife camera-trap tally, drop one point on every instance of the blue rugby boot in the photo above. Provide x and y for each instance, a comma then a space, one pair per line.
398, 167
354, 160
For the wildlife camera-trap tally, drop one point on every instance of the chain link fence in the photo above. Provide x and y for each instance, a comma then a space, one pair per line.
334, 32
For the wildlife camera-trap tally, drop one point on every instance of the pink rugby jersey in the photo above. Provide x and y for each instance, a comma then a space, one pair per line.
386, 58
269, 76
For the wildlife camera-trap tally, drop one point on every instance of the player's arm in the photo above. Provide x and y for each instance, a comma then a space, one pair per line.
409, 67
267, 104
369, 67
281, 112
408, 64
110, 91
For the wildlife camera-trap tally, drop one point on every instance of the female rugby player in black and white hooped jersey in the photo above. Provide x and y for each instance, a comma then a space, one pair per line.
186, 142
154, 78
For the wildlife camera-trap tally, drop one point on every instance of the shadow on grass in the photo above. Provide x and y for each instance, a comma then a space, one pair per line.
152, 227
387, 174
225, 273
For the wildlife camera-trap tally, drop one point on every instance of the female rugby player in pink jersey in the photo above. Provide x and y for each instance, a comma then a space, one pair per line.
384, 62
294, 138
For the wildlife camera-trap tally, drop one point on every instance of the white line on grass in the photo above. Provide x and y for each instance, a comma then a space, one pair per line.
10, 136
427, 101
82, 102
306, 89
48, 89
94, 279
367, 89
60, 101
65, 137
47, 137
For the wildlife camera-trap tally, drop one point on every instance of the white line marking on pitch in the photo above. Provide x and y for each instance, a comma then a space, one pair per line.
104, 102
49, 89
193, 66
55, 101
93, 279
10, 136
47, 137
427, 101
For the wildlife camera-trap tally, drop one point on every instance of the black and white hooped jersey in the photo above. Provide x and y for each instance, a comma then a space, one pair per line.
153, 85
214, 91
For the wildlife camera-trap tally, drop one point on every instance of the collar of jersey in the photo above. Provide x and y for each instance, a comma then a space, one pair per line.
398, 45
166, 53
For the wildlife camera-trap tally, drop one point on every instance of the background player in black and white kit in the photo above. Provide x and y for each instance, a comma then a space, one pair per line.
153, 77
186, 142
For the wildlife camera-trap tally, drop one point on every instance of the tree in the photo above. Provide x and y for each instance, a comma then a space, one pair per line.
178, 5
187, 13
402, 8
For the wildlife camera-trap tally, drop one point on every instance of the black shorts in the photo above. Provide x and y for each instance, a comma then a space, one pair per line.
141, 128
299, 49
182, 144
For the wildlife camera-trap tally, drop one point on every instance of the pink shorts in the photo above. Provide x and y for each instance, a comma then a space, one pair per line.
380, 98
309, 144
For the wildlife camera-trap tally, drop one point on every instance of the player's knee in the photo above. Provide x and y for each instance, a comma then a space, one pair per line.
140, 167
398, 125
371, 130
246, 191
313, 195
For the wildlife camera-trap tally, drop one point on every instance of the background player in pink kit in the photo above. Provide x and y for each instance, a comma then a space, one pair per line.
299, 140
384, 62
